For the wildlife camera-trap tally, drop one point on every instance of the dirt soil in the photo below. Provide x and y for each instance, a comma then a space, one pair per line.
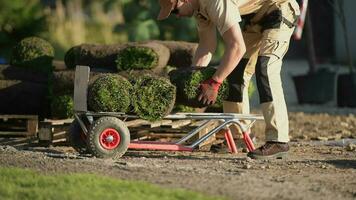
321, 164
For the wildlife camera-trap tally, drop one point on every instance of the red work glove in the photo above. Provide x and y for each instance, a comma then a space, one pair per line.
209, 91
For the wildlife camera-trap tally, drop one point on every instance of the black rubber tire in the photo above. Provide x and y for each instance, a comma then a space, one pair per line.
96, 130
77, 138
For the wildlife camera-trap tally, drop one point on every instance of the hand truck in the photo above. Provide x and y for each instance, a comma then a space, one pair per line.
105, 135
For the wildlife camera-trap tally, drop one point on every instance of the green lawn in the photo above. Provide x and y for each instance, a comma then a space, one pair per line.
25, 184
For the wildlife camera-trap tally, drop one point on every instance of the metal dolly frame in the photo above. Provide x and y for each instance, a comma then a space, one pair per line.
226, 119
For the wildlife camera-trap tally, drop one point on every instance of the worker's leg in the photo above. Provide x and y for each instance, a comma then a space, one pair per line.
238, 100
274, 45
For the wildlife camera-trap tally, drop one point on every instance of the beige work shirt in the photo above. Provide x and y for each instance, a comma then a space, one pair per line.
223, 14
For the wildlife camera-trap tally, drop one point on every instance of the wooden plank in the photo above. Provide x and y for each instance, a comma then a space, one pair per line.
59, 122
207, 144
32, 127
178, 124
81, 88
161, 129
161, 135
159, 123
12, 133
5, 117
136, 123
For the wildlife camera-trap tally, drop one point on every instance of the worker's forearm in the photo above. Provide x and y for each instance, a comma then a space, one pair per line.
231, 58
202, 56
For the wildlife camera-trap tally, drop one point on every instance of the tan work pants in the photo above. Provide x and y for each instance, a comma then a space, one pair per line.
267, 39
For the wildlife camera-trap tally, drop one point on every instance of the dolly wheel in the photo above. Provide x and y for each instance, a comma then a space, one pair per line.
108, 138
77, 138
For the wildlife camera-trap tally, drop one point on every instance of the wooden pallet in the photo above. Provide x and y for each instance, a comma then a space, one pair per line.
19, 125
53, 131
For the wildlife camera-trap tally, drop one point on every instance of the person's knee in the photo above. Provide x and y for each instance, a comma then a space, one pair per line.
262, 79
236, 82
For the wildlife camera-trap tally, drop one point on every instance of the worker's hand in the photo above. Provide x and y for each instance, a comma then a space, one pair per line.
209, 91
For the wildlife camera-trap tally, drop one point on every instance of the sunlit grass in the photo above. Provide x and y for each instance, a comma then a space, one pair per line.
25, 184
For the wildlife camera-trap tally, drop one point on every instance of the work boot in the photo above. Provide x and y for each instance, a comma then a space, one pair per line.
270, 150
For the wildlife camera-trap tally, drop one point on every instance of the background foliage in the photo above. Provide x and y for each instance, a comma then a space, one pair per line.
66, 23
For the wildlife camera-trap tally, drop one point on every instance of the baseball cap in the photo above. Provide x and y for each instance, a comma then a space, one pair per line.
166, 8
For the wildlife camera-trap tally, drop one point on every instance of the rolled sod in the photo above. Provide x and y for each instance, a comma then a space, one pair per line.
153, 97
187, 82
62, 107
150, 55
63, 81
181, 53
23, 98
114, 57
8, 72
33, 53
93, 55
109, 93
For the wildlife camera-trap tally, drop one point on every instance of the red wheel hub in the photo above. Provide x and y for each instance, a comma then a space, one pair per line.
109, 138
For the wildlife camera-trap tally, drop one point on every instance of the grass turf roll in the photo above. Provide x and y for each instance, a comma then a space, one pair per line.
153, 98
109, 93
181, 53
136, 58
93, 55
187, 82
33, 53
62, 107
147, 55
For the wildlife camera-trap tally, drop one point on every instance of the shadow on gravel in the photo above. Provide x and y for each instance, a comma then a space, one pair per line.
343, 164
187, 156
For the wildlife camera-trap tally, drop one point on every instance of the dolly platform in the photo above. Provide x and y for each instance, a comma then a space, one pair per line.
104, 134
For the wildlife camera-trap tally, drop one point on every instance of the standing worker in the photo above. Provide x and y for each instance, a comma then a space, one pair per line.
259, 47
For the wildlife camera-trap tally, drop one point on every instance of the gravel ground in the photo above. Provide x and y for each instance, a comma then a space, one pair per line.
321, 164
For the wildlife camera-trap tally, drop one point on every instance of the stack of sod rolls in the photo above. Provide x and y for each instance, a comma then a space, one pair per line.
24, 84
119, 57
148, 96
187, 82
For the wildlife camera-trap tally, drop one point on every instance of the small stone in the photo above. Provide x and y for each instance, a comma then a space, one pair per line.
248, 159
344, 124
320, 138
247, 166
351, 147
263, 167
303, 137
323, 167
335, 137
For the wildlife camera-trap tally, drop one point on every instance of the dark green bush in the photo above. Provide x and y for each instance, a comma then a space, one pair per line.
62, 107
34, 53
110, 93
136, 58
153, 98
187, 82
